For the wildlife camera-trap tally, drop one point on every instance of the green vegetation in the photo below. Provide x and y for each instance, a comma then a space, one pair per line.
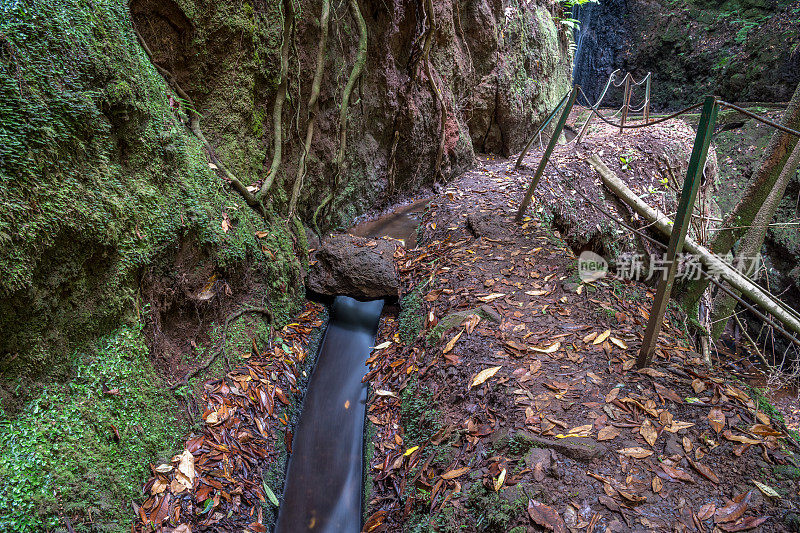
99, 178
420, 420
83, 447
494, 512
412, 315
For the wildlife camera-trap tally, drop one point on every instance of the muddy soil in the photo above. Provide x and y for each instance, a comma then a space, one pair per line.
506, 397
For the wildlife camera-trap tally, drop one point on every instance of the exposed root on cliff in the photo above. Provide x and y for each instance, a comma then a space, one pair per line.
358, 67
221, 350
280, 98
313, 104
194, 127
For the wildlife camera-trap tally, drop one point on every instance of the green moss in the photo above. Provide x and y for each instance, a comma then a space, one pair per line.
491, 511
59, 454
368, 483
420, 420
411, 318
99, 179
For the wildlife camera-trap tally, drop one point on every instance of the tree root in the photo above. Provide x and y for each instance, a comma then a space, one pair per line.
313, 105
355, 73
361, 60
194, 127
221, 350
280, 98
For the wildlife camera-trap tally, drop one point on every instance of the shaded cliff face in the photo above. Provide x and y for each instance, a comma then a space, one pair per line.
742, 50
600, 41
500, 64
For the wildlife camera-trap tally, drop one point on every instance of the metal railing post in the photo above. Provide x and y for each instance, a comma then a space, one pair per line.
647, 100
539, 131
680, 227
547, 152
625, 102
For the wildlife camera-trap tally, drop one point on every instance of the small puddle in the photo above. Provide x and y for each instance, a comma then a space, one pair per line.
400, 223
323, 481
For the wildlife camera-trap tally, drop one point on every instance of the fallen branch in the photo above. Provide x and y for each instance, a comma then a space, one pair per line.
221, 350
664, 225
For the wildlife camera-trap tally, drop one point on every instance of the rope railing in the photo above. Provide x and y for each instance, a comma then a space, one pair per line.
629, 82
789, 336
766, 121
711, 105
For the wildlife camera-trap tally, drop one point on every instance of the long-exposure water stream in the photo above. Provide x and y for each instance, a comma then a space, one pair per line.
323, 482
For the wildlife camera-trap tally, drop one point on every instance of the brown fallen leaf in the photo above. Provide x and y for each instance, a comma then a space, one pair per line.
739, 438
608, 433
547, 517
450, 345
618, 342
705, 471
648, 431
635, 498
603, 336
612, 395
452, 474
637, 452
706, 511
765, 430
676, 473
733, 511
657, 484
483, 375
471, 322
550, 349
744, 524
717, 419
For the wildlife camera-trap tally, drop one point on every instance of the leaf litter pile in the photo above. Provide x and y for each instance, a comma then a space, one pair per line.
217, 483
504, 396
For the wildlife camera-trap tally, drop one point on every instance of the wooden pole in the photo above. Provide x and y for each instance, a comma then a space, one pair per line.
713, 263
547, 152
683, 218
647, 99
585, 127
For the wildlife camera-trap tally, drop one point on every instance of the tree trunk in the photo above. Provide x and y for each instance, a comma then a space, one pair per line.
754, 239
775, 157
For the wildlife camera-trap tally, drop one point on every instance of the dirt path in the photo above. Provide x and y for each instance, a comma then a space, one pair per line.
504, 396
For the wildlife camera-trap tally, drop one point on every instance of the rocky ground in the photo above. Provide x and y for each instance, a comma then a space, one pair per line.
504, 395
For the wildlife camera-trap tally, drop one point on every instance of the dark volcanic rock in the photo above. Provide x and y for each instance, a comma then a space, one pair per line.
354, 266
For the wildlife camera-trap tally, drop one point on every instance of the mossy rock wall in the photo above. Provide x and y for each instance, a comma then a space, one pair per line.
104, 193
500, 65
100, 179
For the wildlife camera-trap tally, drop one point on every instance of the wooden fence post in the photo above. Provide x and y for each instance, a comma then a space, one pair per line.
549, 150
647, 99
682, 219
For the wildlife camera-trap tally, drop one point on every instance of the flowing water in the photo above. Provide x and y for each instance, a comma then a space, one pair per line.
323, 482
